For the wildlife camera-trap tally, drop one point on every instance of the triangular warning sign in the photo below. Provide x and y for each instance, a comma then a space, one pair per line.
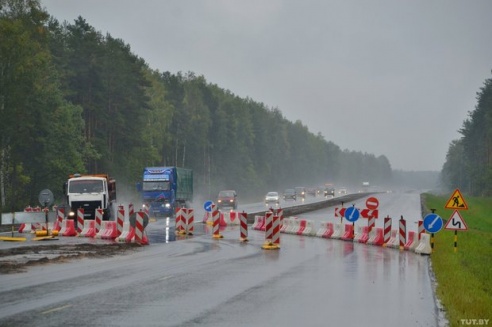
456, 201
456, 222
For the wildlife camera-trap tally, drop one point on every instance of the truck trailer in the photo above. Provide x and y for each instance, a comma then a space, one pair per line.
164, 189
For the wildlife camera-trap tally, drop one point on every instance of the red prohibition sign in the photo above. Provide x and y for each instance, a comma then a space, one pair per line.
372, 203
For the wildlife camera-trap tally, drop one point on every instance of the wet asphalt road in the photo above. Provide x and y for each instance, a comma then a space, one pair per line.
201, 281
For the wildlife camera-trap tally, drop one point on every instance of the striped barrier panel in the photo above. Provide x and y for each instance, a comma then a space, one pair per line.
285, 225
109, 230
98, 219
140, 236
403, 233
80, 220
293, 226
268, 225
190, 221
89, 229
393, 241
412, 242
348, 234
276, 230
309, 230
387, 229
127, 234
215, 227
323, 227
60, 215
329, 231
377, 238
243, 230
120, 219
259, 221
364, 237
337, 231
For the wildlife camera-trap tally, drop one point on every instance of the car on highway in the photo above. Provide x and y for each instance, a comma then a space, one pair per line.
300, 192
342, 191
227, 199
272, 197
329, 191
289, 194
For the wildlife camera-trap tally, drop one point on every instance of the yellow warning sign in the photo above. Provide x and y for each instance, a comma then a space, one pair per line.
456, 201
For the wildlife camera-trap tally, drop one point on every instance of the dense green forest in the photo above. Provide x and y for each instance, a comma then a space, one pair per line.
74, 100
468, 163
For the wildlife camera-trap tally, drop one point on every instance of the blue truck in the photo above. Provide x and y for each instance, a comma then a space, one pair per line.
164, 189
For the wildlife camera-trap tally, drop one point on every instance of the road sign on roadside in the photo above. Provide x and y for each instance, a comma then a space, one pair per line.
208, 206
352, 214
433, 223
456, 222
456, 201
372, 203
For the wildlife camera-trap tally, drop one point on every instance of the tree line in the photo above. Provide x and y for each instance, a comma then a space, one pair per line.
75, 100
468, 164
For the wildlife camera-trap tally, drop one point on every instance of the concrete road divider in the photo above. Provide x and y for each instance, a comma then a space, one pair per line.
424, 246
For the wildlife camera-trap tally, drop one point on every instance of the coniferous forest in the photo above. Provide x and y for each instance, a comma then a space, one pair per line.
74, 100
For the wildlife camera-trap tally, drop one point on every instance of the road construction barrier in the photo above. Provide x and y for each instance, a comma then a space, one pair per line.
140, 236
276, 230
127, 234
68, 228
120, 219
309, 229
424, 246
411, 243
231, 218
189, 215
25, 228
301, 226
376, 237
216, 228
371, 222
329, 231
268, 244
180, 222
243, 230
109, 230
348, 234
393, 241
293, 226
364, 235
323, 227
420, 229
337, 231
98, 219
387, 230
403, 233
80, 220
259, 222
60, 215
222, 222
285, 225
89, 229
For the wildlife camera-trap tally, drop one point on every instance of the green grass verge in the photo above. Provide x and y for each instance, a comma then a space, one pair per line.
464, 278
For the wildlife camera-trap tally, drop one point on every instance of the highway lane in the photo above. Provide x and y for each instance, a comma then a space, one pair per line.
202, 281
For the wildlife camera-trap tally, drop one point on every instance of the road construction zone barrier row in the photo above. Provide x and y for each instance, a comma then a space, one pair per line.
387, 237
120, 230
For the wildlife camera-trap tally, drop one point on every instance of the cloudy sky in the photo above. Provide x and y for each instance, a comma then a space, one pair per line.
394, 78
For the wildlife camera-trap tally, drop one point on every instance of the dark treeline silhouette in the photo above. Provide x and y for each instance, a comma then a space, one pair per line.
74, 100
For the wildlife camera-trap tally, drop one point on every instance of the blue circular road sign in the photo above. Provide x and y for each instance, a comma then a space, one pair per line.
433, 223
352, 214
208, 206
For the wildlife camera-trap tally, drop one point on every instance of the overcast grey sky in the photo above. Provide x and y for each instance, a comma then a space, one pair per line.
394, 78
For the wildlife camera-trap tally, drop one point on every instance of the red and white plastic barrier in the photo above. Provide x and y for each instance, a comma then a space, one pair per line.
403, 233
109, 230
190, 221
60, 215
412, 242
140, 236
393, 242
364, 235
89, 229
276, 230
243, 230
387, 229
285, 225
376, 237
68, 228
259, 223
80, 219
348, 234
337, 231
98, 219
120, 220
216, 224
180, 222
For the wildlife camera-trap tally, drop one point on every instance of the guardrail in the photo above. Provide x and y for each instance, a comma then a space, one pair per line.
303, 208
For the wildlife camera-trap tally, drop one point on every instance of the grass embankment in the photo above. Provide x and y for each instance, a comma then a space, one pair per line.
464, 277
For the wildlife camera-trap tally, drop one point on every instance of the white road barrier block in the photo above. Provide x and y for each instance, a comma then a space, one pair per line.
424, 246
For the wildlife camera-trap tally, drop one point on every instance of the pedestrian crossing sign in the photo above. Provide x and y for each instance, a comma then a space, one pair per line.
456, 201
